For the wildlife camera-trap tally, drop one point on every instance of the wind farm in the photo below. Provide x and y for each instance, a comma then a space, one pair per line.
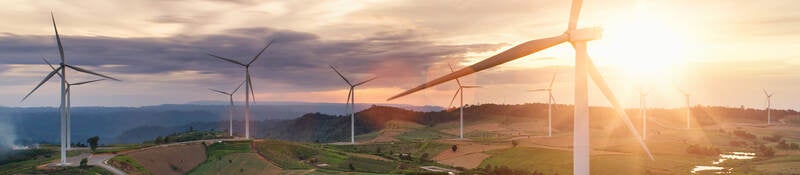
569, 87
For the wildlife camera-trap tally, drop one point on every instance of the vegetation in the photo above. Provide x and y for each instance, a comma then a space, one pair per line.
399, 151
128, 165
23, 155
290, 155
189, 135
233, 158
744, 134
93, 141
703, 150
504, 170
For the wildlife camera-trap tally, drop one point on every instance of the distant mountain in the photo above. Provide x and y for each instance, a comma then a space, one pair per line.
112, 124
307, 122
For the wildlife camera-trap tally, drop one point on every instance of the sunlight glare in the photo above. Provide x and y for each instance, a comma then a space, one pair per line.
643, 43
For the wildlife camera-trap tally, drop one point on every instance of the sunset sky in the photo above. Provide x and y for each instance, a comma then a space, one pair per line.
722, 51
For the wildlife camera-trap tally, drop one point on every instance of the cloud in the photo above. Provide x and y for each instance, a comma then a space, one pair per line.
297, 61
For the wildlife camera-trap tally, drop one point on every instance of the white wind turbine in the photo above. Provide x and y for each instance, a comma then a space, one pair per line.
643, 111
231, 107
769, 104
69, 103
460, 92
62, 107
686, 96
248, 89
583, 68
351, 102
550, 101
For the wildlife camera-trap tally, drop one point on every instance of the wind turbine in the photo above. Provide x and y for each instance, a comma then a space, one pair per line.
769, 104
550, 101
460, 92
686, 96
248, 89
230, 108
62, 67
643, 111
69, 103
583, 68
351, 101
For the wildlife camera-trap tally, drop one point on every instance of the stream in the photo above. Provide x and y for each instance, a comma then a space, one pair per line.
715, 165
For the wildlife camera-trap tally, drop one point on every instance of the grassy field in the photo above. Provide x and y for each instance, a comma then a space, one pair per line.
128, 165
233, 158
424, 134
289, 155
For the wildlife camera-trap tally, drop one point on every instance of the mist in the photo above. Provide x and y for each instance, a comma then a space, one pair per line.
7, 137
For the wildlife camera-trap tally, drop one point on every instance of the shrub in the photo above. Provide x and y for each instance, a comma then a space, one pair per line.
454, 148
83, 163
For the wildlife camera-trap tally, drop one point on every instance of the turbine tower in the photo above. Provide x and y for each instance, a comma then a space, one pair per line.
584, 67
230, 108
686, 96
351, 102
248, 89
769, 104
550, 101
62, 68
460, 92
69, 103
643, 111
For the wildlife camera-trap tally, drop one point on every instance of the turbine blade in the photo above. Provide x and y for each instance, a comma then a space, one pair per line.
514, 53
552, 81
90, 72
259, 53
553, 98
574, 14
765, 92
237, 87
226, 59
603, 86
51, 67
218, 91
451, 71
340, 75
454, 98
349, 92
250, 83
365, 81
92, 81
58, 38
470, 86
50, 75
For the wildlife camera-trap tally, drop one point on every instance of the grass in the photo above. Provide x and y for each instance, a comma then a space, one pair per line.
289, 155
233, 158
76, 170
235, 163
423, 134
389, 150
125, 161
532, 159
35, 158
121, 147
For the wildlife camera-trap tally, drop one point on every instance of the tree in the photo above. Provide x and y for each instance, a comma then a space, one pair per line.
423, 157
514, 142
351, 167
84, 161
454, 148
93, 142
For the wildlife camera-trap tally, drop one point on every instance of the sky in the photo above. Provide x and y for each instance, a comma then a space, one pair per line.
722, 52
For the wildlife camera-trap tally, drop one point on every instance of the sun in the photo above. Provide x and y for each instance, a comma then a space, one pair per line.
644, 42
